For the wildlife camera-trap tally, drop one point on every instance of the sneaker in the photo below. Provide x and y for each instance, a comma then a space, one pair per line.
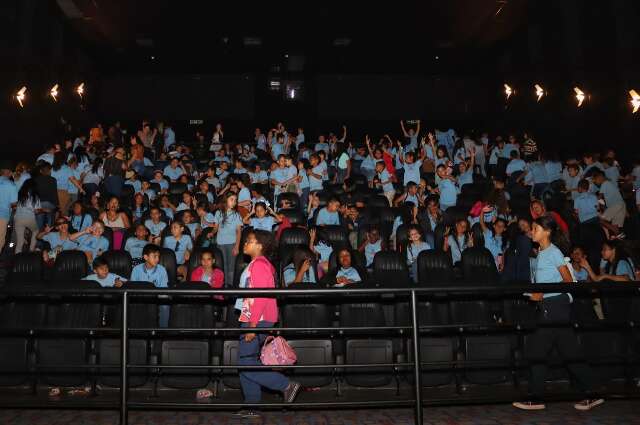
588, 404
247, 414
291, 392
529, 405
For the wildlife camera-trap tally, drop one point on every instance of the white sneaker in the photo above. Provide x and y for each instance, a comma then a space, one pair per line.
588, 404
529, 405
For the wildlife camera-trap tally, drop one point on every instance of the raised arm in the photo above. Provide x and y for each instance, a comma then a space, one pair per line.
404, 131
418, 128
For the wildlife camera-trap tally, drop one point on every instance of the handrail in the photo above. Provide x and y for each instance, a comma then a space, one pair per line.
413, 293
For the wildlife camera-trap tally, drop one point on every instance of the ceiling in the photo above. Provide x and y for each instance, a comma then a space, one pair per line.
194, 36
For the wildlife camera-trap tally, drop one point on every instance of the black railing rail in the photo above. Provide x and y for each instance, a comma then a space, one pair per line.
438, 292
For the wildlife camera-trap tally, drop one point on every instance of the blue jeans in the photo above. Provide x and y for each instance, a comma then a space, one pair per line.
252, 381
229, 263
46, 217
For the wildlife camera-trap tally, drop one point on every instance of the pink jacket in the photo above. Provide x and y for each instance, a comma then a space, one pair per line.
261, 274
216, 280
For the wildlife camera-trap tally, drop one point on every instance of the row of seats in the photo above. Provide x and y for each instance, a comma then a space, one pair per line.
492, 357
389, 267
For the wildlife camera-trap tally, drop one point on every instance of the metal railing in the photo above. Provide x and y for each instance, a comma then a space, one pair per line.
413, 293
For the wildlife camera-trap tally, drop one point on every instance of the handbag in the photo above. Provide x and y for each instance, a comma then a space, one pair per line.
276, 351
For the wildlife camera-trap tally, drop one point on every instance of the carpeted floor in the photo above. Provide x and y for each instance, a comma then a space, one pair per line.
611, 413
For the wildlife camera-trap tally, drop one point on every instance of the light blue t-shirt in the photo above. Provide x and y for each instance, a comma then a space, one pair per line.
96, 246
62, 176
515, 165
227, 231
244, 195
179, 247
77, 174
173, 173
385, 180
134, 247
54, 240
155, 228
8, 196
304, 179
350, 273
538, 172
448, 193
136, 184
264, 223
414, 250
465, 178
315, 183
587, 206
156, 275
370, 251
107, 282
81, 222
277, 149
546, 267
554, 170
326, 218
624, 267
493, 243
289, 275
611, 193
324, 251
456, 246
412, 172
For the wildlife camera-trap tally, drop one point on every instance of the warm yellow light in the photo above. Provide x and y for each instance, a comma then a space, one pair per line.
20, 96
508, 90
80, 90
539, 91
579, 95
54, 92
635, 100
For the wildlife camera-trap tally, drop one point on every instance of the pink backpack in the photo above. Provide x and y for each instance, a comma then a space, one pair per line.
277, 352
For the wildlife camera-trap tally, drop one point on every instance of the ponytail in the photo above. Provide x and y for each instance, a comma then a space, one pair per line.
557, 236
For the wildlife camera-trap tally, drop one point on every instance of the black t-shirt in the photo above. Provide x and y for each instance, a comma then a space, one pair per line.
113, 167
47, 189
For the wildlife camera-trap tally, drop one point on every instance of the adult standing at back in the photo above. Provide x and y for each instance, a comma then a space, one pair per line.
114, 168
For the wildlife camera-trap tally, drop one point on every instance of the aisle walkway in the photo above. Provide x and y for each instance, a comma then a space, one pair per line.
612, 413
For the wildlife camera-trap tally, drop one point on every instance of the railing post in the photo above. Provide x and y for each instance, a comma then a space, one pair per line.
417, 366
124, 414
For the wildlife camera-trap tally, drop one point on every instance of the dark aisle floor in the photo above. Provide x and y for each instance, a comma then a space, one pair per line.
611, 413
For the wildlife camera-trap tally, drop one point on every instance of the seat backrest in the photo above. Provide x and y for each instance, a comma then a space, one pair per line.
294, 236
292, 198
27, 268
357, 259
434, 267
119, 262
70, 266
191, 312
177, 188
168, 261
390, 269
378, 201
478, 266
361, 314
297, 314
294, 216
336, 235
438, 236
194, 259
